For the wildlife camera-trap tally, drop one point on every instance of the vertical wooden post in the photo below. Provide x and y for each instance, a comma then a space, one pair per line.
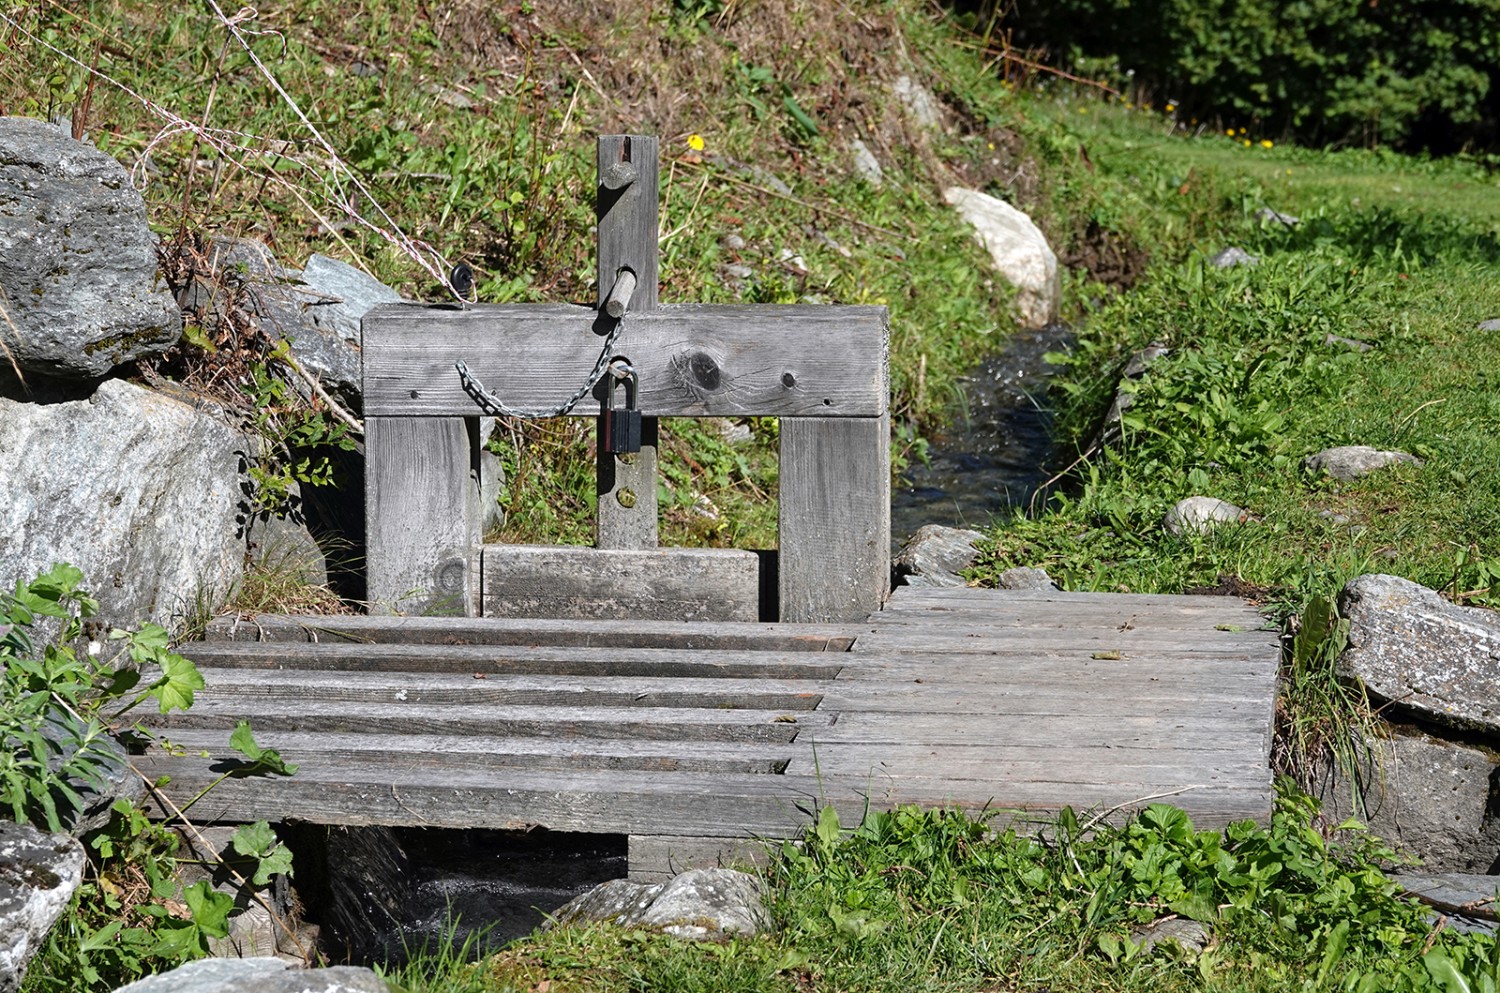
627, 216
423, 514
835, 517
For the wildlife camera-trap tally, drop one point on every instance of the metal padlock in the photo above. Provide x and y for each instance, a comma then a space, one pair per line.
622, 425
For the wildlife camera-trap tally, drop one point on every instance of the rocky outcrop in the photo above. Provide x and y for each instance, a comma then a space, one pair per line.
78, 265
38, 875
1409, 646
936, 556
1427, 797
1018, 250
259, 975
1349, 462
142, 492
699, 904
1199, 514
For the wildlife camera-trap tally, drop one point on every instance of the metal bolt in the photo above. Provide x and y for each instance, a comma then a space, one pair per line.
626, 497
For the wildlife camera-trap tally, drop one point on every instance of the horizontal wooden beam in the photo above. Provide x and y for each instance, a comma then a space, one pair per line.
694, 360
663, 584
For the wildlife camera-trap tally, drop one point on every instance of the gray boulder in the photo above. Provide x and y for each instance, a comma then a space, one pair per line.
1410, 646
1198, 514
1491, 325
1427, 797
866, 165
1231, 257
935, 556
259, 975
77, 261
38, 874
317, 308
141, 491
918, 102
699, 904
1349, 462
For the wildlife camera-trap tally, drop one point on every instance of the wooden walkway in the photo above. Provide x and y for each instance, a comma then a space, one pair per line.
687, 736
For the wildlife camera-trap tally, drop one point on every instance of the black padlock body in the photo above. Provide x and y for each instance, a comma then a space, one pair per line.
622, 426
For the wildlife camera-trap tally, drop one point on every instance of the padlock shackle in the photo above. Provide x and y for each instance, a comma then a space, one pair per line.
631, 381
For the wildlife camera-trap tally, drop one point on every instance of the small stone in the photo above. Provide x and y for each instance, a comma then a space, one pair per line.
935, 556
793, 261
1333, 517
1024, 577
1349, 462
1353, 344
1199, 514
705, 508
918, 102
866, 165
1231, 257
700, 904
1491, 325
734, 432
1190, 934
736, 271
732, 242
453, 98
1275, 217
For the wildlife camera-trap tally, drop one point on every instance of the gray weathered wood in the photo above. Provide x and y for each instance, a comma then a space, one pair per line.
481, 661
626, 216
655, 723
657, 858
501, 631
678, 584
835, 518
422, 514
694, 360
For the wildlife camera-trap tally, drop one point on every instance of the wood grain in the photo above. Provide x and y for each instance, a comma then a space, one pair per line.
834, 545
676, 584
422, 514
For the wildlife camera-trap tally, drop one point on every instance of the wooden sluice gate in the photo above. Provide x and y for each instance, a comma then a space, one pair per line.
693, 699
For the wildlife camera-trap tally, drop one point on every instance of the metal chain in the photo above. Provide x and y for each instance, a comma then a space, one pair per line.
493, 406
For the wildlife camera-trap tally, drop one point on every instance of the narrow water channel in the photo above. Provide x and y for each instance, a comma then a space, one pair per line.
997, 454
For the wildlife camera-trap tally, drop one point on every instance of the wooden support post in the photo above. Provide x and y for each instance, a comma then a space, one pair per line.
835, 523
627, 216
423, 514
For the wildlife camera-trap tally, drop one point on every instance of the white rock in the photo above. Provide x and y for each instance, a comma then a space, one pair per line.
1198, 514
1493, 325
918, 101
38, 874
1018, 250
866, 165
1231, 257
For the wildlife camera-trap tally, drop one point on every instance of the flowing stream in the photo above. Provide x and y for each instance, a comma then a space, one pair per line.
997, 455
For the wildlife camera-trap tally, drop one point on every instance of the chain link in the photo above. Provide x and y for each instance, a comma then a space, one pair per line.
493, 406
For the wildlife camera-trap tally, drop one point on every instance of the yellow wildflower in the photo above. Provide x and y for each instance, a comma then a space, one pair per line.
1266, 143
695, 142
1229, 132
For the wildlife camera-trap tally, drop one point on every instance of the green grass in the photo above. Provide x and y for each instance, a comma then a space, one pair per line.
939, 901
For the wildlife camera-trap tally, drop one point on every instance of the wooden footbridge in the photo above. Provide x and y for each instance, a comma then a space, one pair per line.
696, 699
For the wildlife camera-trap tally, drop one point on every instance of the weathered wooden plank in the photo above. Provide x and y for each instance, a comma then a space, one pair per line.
498, 631
680, 584
486, 660
657, 858
1194, 731
654, 723
626, 224
835, 518
1005, 614
624, 801
996, 762
955, 638
910, 595
1075, 671
422, 514
614, 801
440, 752
413, 688
693, 360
